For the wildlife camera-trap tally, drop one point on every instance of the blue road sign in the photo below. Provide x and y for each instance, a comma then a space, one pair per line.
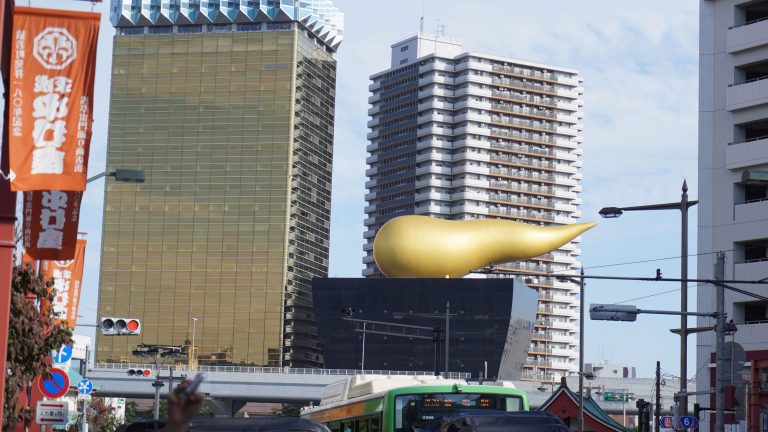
85, 387
665, 422
56, 385
63, 355
688, 422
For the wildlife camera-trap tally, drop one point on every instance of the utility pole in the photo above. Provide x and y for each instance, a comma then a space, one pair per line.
447, 334
657, 411
84, 423
720, 346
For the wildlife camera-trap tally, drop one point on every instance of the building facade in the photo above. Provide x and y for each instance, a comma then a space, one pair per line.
490, 322
733, 188
462, 135
229, 109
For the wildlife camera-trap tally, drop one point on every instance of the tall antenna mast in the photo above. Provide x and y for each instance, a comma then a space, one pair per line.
421, 24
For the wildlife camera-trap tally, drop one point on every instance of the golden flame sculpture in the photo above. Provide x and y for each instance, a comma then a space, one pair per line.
427, 247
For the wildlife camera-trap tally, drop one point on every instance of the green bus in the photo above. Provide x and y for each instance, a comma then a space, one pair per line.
393, 404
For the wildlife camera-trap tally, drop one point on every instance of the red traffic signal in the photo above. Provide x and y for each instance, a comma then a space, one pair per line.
120, 326
139, 372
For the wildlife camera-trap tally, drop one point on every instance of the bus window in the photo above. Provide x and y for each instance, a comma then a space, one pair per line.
514, 404
361, 424
347, 426
334, 426
413, 410
375, 423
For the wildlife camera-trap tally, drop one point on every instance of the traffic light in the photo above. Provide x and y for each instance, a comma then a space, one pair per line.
120, 326
608, 312
139, 373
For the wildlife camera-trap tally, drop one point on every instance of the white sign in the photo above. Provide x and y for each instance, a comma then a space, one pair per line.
52, 413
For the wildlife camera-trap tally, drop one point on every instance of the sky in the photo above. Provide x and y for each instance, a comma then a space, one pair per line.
639, 62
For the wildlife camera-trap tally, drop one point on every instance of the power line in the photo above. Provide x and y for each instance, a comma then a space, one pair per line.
656, 259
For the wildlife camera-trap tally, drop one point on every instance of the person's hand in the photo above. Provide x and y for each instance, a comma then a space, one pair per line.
182, 409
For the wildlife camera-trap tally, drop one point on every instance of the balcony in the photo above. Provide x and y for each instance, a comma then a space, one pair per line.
747, 153
751, 211
747, 36
747, 94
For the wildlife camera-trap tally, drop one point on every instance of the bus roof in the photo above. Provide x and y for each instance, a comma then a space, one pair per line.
363, 385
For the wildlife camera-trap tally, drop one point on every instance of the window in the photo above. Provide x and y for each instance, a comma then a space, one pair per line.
131, 31
751, 72
191, 29
404, 48
752, 312
161, 30
249, 27
404, 61
279, 26
750, 131
752, 251
219, 27
748, 14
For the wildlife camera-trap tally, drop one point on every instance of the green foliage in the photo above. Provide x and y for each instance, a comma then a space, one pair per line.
102, 417
131, 409
32, 335
288, 410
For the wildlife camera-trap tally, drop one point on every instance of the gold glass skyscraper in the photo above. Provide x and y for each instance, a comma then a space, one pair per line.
233, 124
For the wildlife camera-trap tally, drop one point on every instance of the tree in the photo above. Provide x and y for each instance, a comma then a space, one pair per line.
287, 410
102, 417
32, 335
131, 409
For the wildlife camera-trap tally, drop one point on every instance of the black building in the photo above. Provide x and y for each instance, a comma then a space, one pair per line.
491, 321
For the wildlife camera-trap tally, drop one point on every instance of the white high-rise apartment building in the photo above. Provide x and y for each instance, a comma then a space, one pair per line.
733, 181
462, 135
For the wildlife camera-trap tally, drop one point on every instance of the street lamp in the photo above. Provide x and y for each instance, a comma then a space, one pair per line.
121, 175
683, 206
193, 352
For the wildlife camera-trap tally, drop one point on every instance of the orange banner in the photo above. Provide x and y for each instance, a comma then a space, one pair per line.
67, 280
50, 224
50, 116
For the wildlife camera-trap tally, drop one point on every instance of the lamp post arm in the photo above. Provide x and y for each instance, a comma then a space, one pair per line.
98, 176
664, 206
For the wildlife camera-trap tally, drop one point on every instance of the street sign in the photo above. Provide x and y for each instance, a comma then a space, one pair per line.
63, 355
85, 387
52, 413
688, 422
55, 386
683, 422
612, 395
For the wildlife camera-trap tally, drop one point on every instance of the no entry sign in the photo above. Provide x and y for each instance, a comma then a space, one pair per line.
55, 386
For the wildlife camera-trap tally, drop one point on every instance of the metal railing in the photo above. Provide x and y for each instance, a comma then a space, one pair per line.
276, 370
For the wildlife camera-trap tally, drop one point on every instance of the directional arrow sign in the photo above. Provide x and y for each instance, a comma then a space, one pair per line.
52, 413
54, 386
63, 355
85, 387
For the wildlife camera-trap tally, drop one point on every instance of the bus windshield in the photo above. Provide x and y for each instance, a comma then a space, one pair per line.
413, 410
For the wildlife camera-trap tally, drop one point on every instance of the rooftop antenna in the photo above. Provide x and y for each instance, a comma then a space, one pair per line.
421, 23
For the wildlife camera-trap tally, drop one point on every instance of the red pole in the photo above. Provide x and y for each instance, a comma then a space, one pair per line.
7, 198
